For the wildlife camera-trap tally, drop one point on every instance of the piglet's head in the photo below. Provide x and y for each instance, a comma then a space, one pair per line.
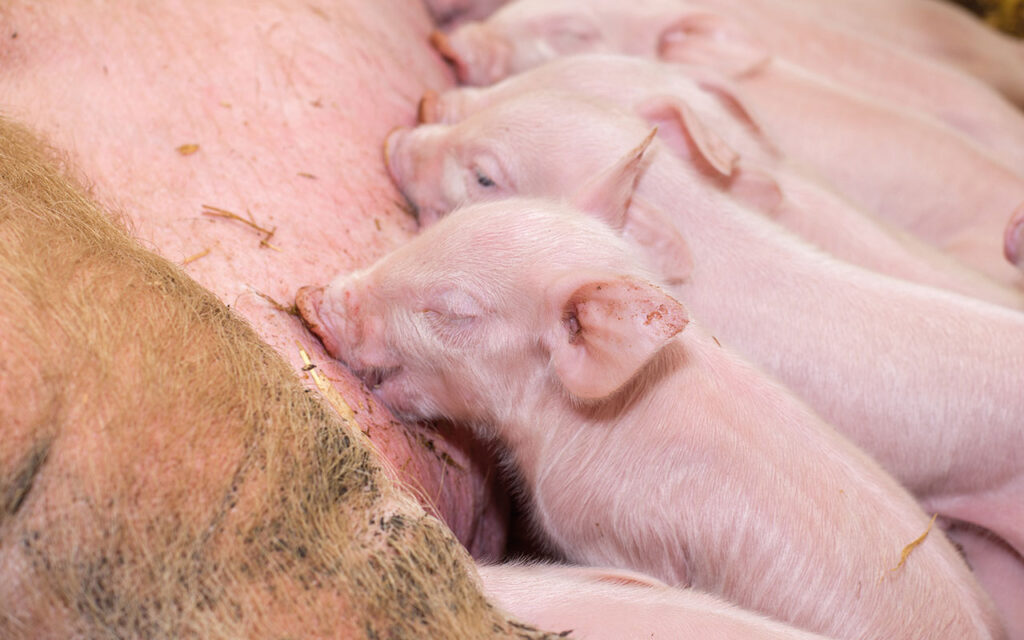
541, 144
439, 168
498, 307
530, 146
519, 36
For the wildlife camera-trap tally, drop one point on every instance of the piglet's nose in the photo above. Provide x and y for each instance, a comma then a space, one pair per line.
309, 300
427, 112
399, 167
392, 153
443, 44
468, 51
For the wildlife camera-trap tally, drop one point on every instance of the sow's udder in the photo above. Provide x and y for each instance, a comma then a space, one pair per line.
244, 143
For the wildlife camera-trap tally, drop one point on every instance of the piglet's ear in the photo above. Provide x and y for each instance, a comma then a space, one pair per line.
608, 194
682, 130
730, 96
606, 329
713, 41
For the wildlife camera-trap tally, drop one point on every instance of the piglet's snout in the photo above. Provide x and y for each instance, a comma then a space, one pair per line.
428, 110
309, 301
332, 315
447, 48
321, 316
393, 155
336, 315
473, 51
400, 167
417, 169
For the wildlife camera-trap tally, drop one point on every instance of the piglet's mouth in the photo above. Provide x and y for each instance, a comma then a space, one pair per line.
373, 377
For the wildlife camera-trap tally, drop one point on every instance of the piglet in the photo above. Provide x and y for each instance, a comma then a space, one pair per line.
926, 381
641, 445
723, 136
612, 604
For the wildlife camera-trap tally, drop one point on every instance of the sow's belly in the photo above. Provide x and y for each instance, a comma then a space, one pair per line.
243, 141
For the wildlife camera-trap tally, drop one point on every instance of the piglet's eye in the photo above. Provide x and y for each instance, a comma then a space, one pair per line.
482, 179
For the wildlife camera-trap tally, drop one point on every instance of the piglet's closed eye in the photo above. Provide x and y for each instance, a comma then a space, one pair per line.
607, 329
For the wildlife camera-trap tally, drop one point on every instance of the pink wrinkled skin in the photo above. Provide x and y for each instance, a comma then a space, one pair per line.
739, 39
702, 115
611, 604
537, 325
891, 364
287, 132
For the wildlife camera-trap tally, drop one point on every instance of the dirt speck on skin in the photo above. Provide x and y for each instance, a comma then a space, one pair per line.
657, 314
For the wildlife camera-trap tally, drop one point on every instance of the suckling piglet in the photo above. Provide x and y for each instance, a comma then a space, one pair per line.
926, 381
642, 445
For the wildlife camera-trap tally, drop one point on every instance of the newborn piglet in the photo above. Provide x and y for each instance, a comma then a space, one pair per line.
927, 382
641, 445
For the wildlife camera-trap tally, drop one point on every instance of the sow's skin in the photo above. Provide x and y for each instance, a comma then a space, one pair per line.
181, 113
723, 137
612, 604
926, 381
737, 39
915, 172
128, 521
641, 445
